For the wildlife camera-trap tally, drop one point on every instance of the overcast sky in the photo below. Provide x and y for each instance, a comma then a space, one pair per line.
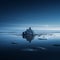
29, 12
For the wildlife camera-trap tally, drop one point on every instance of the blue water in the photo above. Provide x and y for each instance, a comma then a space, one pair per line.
12, 45
6, 41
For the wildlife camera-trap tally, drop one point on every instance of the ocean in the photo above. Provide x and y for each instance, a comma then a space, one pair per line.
15, 47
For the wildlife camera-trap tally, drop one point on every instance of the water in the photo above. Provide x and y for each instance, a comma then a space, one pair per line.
15, 47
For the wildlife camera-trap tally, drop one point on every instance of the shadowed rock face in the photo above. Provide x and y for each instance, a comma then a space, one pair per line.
28, 34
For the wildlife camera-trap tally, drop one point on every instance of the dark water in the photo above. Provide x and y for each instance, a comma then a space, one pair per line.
15, 47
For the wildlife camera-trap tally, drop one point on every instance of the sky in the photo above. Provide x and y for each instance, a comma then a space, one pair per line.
19, 13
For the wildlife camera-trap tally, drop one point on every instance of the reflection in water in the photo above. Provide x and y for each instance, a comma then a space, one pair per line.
41, 49
28, 34
9, 39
